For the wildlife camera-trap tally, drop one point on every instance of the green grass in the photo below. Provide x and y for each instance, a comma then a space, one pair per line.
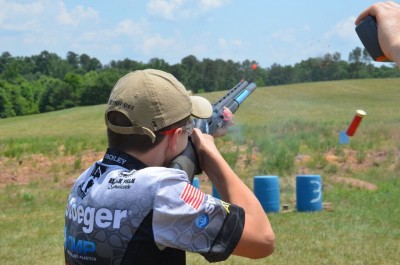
31, 224
274, 128
363, 228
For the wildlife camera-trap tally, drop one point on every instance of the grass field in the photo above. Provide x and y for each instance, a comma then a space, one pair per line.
281, 130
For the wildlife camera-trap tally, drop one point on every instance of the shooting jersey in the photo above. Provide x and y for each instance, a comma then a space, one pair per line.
120, 211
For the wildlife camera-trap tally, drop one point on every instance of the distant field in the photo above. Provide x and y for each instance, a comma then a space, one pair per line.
281, 130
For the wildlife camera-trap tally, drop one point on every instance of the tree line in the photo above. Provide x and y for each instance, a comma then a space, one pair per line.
47, 82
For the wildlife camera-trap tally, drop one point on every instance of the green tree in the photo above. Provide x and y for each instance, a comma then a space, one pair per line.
98, 86
233, 75
180, 72
278, 75
6, 106
25, 101
5, 58
57, 95
210, 75
191, 73
89, 64
159, 64
355, 63
76, 83
73, 60
127, 65
11, 70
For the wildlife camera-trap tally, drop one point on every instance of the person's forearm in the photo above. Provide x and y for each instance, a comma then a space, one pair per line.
258, 238
229, 185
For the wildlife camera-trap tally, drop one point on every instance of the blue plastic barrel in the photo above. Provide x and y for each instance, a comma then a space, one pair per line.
196, 182
215, 193
309, 193
266, 189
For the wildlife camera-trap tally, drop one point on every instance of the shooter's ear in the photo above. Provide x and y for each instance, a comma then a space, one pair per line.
173, 139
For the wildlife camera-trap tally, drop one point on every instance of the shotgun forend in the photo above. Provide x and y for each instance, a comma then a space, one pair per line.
232, 100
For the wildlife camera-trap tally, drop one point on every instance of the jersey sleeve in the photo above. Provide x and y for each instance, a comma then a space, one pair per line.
186, 218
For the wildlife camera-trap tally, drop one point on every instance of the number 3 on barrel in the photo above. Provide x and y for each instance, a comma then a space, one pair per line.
317, 190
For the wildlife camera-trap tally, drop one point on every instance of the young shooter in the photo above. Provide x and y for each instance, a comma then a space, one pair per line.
132, 208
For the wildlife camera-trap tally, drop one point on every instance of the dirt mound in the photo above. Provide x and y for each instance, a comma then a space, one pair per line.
40, 167
66, 168
355, 183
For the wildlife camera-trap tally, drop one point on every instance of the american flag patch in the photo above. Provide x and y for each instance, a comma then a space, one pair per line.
192, 196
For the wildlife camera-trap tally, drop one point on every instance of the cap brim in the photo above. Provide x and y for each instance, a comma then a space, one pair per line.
201, 107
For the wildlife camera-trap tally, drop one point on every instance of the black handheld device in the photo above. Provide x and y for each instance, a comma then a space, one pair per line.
367, 31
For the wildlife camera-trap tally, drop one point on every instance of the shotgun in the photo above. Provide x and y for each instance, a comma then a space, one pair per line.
187, 160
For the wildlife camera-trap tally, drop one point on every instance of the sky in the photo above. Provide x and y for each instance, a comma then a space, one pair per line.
266, 31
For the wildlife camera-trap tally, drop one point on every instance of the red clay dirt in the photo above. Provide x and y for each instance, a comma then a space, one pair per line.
66, 169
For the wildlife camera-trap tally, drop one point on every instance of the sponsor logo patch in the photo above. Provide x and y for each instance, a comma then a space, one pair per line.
226, 206
97, 172
124, 180
202, 221
89, 217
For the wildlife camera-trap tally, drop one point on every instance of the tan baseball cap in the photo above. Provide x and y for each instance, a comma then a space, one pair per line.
152, 99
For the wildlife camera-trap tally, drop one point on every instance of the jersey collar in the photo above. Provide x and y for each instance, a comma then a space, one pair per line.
116, 157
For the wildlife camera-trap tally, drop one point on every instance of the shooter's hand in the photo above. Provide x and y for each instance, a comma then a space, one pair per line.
228, 122
206, 149
387, 15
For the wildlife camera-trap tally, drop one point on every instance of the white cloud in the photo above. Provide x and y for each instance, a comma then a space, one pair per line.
43, 15
212, 4
20, 17
182, 9
203, 28
11, 8
228, 44
343, 29
128, 27
166, 9
92, 36
150, 44
286, 35
198, 49
223, 43
116, 49
77, 15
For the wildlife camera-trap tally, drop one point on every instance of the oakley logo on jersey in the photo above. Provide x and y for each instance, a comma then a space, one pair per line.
89, 216
116, 159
